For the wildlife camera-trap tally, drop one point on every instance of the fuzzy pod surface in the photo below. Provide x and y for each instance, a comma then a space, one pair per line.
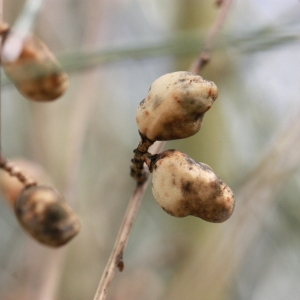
184, 187
36, 73
45, 215
174, 106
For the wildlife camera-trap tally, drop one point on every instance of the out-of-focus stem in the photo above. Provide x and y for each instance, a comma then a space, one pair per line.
211, 38
21, 29
15, 171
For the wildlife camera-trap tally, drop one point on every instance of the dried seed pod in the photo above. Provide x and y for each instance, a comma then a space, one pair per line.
175, 106
46, 216
35, 72
183, 187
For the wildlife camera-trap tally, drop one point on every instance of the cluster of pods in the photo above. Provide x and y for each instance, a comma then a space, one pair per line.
38, 76
173, 109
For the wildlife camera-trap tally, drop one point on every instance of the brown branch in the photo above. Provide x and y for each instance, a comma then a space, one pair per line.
211, 38
116, 258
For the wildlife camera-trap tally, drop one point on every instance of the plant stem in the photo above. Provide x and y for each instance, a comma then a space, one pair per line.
211, 38
22, 28
116, 257
15, 171
141, 155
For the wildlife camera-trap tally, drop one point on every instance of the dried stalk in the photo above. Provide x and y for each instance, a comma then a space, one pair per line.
22, 28
116, 257
15, 171
141, 155
211, 38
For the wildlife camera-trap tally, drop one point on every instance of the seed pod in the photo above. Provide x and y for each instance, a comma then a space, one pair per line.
36, 72
46, 216
183, 187
4, 28
175, 106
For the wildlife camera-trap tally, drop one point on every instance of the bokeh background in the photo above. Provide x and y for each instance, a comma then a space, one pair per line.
113, 51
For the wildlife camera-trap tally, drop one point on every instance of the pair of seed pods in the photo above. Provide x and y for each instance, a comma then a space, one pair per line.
36, 73
174, 109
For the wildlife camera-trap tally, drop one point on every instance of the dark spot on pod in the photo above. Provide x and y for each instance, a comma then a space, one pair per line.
186, 187
46, 216
182, 80
156, 157
157, 101
142, 103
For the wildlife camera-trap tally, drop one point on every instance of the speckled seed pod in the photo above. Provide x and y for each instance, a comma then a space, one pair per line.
36, 72
46, 216
175, 106
183, 187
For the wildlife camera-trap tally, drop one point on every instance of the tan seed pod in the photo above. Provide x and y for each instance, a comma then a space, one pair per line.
45, 215
36, 72
184, 187
175, 106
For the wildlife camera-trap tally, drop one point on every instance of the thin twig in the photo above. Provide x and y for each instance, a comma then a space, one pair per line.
116, 258
211, 38
141, 154
16, 172
21, 29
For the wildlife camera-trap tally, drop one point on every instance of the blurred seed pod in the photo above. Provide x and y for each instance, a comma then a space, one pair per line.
175, 106
4, 28
45, 215
183, 187
36, 72
11, 187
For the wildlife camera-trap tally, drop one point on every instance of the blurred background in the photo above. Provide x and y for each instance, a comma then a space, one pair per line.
113, 51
